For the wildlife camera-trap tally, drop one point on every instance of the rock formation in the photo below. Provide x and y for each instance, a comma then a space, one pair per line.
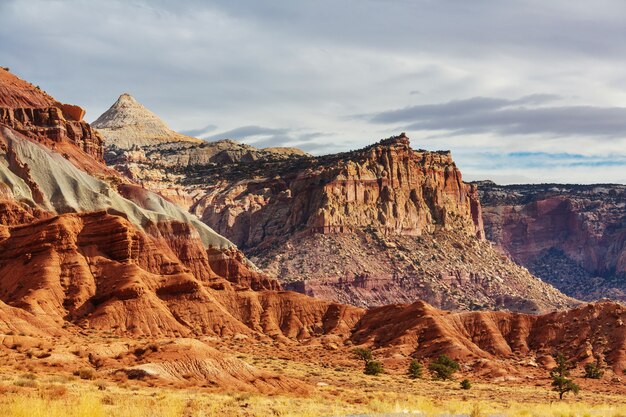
496, 343
134, 285
28, 110
82, 247
573, 236
381, 225
128, 123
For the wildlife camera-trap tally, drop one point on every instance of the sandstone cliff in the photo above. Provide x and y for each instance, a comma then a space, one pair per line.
28, 110
573, 236
380, 225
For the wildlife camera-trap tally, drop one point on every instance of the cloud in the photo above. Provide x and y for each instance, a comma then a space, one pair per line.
203, 131
301, 67
509, 117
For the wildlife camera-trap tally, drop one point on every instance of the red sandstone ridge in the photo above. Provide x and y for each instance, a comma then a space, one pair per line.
498, 343
573, 236
29, 110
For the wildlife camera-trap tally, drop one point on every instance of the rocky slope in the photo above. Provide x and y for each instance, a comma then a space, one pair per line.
29, 110
498, 344
98, 272
573, 236
82, 247
380, 225
127, 123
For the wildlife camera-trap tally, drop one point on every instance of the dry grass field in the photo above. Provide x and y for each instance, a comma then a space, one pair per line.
336, 391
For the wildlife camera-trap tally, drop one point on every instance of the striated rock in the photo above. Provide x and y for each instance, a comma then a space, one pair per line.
385, 224
30, 111
573, 236
387, 187
17, 93
50, 124
127, 123
422, 331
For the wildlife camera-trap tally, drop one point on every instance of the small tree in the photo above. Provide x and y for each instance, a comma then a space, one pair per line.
443, 367
593, 371
371, 367
415, 370
364, 354
466, 384
560, 373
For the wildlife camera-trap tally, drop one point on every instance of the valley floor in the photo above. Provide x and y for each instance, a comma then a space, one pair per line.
335, 391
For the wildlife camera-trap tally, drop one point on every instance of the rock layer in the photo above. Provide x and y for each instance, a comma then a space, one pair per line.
381, 225
594, 333
28, 110
573, 236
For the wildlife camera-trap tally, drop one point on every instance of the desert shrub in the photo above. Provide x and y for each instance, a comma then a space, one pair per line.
54, 392
559, 374
373, 368
136, 373
466, 384
363, 354
86, 373
415, 370
593, 371
443, 367
27, 383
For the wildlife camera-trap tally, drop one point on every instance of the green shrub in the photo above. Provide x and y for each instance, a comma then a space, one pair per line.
559, 374
443, 367
373, 368
593, 371
466, 384
363, 354
415, 370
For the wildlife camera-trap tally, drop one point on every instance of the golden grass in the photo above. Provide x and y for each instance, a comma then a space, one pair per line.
84, 399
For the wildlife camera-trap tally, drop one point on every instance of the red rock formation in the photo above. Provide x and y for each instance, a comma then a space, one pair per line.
572, 236
385, 224
28, 110
15, 92
591, 333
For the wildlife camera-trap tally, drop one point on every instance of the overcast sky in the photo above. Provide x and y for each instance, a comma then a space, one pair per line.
520, 91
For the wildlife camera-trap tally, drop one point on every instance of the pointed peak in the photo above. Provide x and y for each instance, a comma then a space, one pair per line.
126, 98
127, 123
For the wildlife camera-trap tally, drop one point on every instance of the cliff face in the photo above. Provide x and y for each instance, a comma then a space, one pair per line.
380, 225
50, 124
387, 187
573, 236
30, 111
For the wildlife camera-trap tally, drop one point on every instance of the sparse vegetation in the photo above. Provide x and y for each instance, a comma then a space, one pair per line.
371, 367
443, 367
466, 384
593, 371
559, 374
85, 373
416, 370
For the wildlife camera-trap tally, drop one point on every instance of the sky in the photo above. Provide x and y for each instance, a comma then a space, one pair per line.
519, 91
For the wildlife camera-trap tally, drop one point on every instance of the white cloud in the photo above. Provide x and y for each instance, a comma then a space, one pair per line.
305, 67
